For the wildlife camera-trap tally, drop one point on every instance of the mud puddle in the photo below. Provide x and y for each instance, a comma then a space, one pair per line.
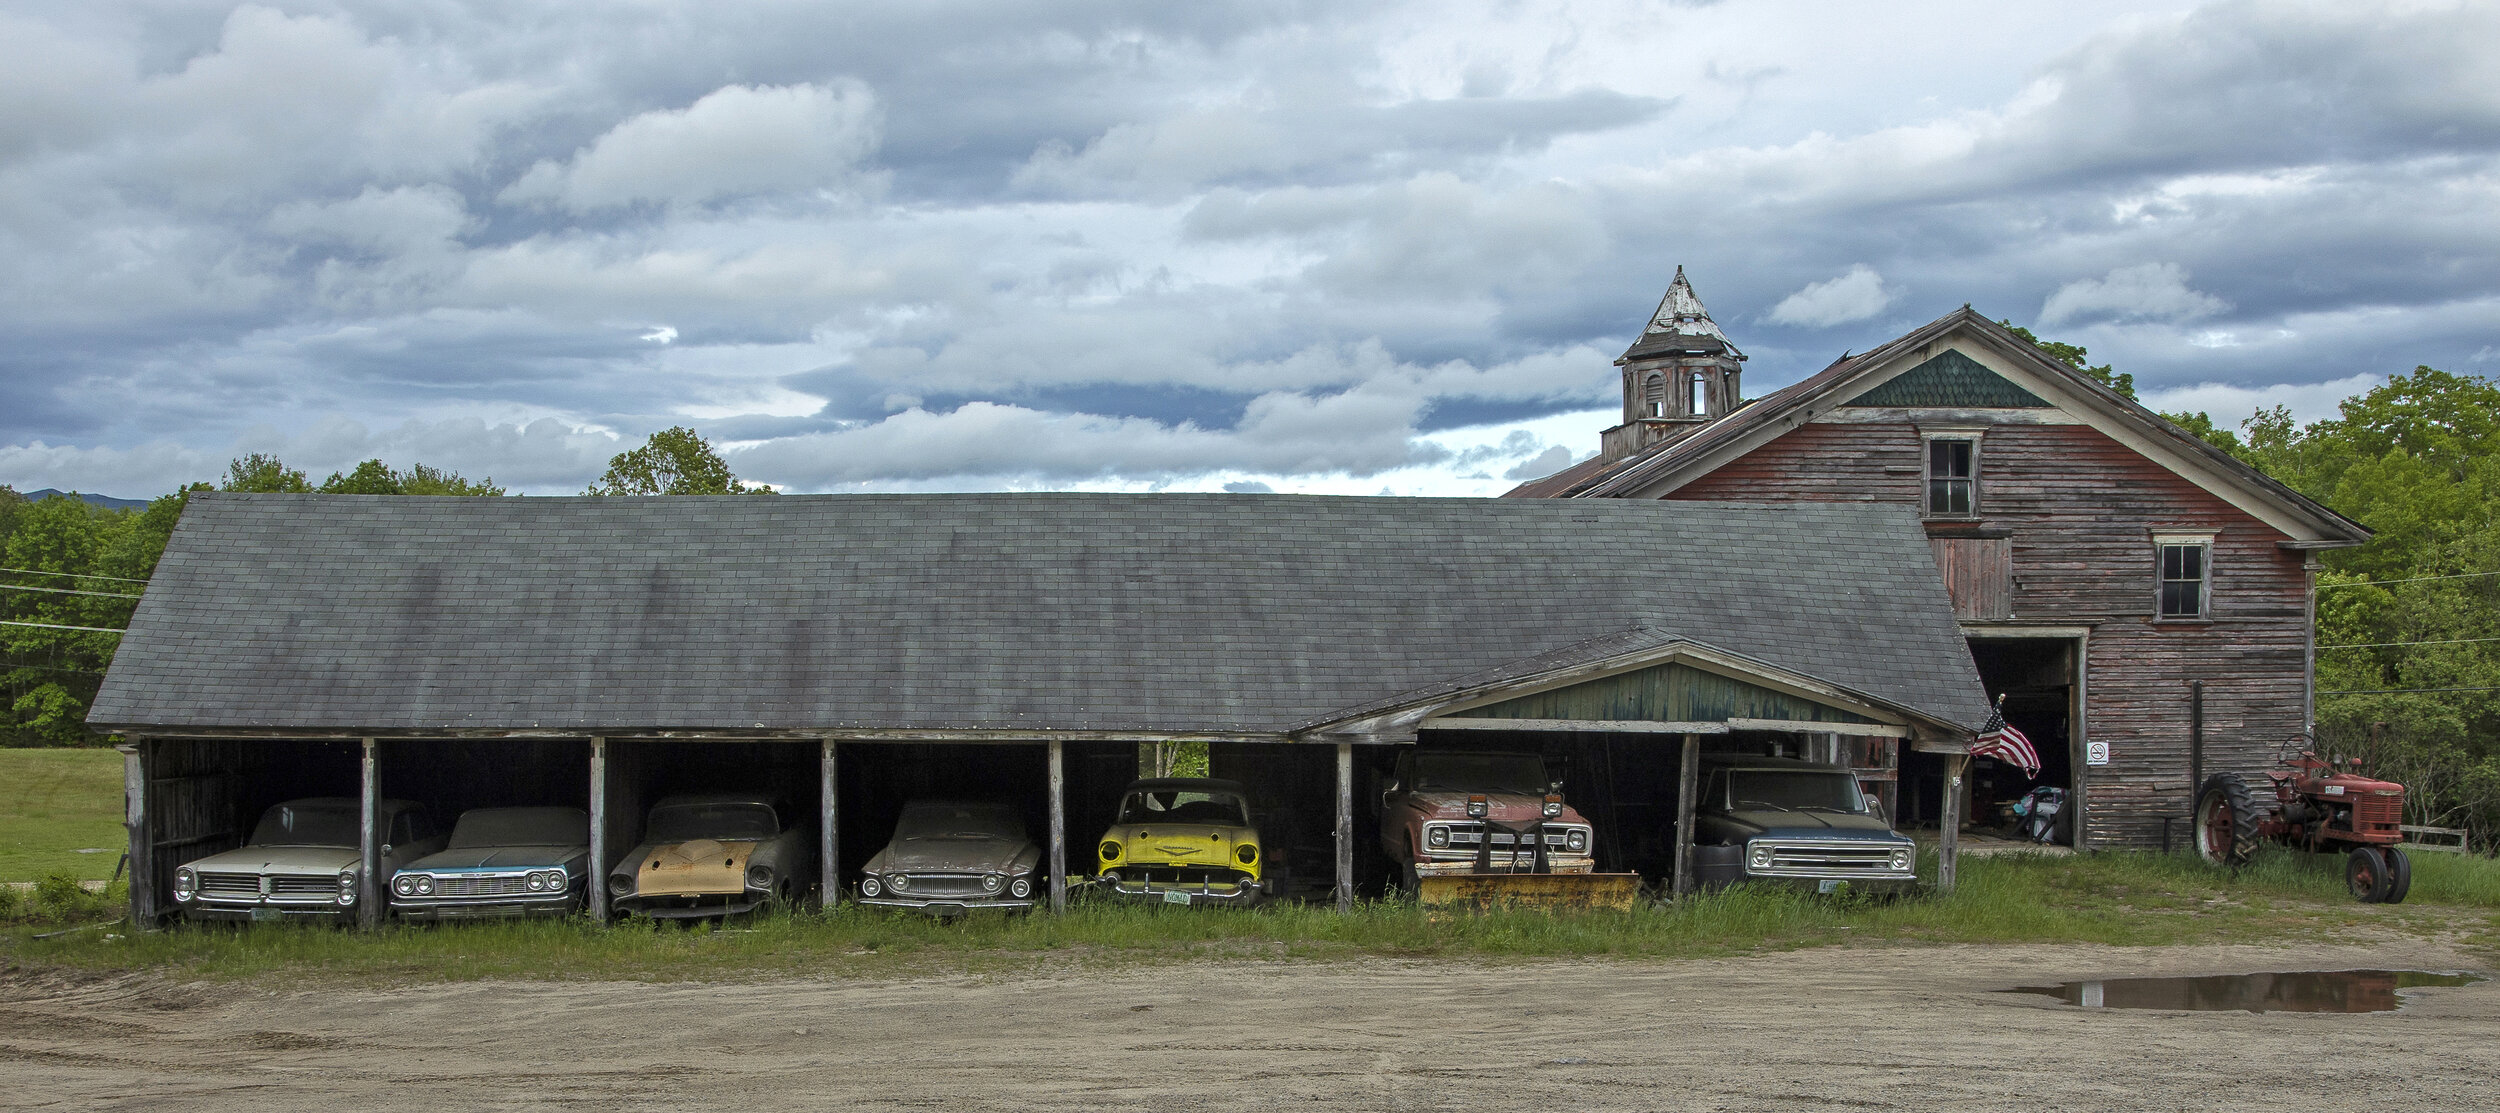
2299, 991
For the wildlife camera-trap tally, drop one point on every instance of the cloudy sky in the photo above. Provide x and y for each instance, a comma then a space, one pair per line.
1331, 247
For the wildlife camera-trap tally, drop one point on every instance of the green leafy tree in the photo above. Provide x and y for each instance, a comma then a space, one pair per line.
373, 477
675, 461
265, 474
57, 546
2072, 355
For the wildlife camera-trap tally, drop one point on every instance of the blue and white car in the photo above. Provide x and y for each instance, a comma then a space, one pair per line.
501, 862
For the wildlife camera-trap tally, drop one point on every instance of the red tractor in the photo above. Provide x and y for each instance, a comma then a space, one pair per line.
2316, 807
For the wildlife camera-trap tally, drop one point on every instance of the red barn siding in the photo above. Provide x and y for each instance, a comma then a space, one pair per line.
2081, 509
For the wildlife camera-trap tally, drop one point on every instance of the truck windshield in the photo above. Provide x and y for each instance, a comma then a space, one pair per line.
1793, 790
726, 820
1168, 805
309, 825
959, 821
1523, 774
483, 827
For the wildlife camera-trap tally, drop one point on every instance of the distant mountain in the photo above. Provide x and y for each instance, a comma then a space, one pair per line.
106, 501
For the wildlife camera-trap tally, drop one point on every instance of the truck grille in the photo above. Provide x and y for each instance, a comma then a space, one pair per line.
1468, 834
462, 885
1828, 859
945, 885
231, 884
299, 885
2374, 814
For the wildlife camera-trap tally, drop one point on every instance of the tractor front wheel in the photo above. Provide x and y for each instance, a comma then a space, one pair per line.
2226, 821
2399, 875
2367, 875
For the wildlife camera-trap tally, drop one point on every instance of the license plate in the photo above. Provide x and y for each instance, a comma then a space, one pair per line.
1172, 896
267, 915
1828, 886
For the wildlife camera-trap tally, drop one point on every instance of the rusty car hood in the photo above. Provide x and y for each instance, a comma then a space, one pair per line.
695, 867
1504, 807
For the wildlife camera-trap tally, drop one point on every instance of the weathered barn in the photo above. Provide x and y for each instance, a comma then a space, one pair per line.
853, 651
2140, 599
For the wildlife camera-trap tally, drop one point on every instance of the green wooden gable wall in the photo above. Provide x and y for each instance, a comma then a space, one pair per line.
1950, 379
1670, 693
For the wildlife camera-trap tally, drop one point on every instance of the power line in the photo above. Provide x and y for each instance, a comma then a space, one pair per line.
2384, 645
57, 626
2398, 691
2411, 580
67, 591
74, 575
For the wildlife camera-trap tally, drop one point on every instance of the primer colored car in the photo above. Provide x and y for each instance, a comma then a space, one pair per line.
1182, 841
501, 862
302, 862
1794, 822
716, 854
954, 856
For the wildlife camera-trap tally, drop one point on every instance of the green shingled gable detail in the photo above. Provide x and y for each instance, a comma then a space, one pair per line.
1950, 379
1669, 693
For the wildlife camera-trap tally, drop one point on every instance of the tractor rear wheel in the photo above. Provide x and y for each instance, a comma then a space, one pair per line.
2399, 875
2226, 821
2367, 875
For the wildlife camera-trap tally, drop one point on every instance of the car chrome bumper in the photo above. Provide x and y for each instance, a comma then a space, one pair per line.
691, 906
506, 908
947, 904
1169, 892
238, 913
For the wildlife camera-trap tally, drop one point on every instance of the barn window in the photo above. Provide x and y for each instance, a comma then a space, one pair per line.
2185, 571
1952, 476
1698, 394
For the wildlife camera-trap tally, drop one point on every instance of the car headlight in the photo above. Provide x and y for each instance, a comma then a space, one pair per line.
759, 877
869, 886
1553, 807
425, 885
404, 885
1758, 858
1576, 841
347, 886
620, 885
1437, 837
1110, 850
900, 882
537, 882
185, 883
992, 882
1901, 858
1021, 888
1247, 853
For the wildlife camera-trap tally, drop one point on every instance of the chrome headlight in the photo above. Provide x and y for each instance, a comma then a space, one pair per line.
1110, 850
1022, 888
537, 882
1247, 853
404, 885
1901, 858
900, 882
1553, 807
425, 885
620, 885
347, 887
1437, 837
1576, 841
759, 877
992, 882
1758, 857
869, 886
185, 883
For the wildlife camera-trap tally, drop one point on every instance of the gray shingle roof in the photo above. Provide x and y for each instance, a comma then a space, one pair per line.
1165, 613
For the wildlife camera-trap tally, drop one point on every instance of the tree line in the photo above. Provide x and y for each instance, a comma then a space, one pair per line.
71, 572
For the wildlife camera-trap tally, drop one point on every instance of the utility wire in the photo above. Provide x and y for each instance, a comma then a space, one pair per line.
57, 626
2384, 645
67, 591
75, 575
2410, 580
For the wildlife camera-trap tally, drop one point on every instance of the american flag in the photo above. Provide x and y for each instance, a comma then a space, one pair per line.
2000, 740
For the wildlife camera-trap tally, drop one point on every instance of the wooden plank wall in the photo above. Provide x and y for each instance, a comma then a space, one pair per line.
2081, 509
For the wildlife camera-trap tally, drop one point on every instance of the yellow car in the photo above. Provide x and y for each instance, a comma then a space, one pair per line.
1182, 840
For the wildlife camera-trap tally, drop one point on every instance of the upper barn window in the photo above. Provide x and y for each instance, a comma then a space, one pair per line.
2186, 576
1952, 476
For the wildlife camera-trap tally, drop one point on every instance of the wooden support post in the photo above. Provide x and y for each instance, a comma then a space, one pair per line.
143, 887
370, 884
1687, 794
1949, 827
2196, 741
1345, 827
828, 841
598, 879
1058, 829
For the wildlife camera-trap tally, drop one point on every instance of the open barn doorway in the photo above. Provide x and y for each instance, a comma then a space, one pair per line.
2037, 678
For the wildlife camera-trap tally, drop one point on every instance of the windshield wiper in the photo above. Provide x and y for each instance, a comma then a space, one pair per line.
1763, 804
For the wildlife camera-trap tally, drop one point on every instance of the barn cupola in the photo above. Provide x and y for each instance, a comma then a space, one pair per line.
1682, 373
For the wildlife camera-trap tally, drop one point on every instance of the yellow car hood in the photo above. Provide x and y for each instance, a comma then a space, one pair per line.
696, 867
1180, 844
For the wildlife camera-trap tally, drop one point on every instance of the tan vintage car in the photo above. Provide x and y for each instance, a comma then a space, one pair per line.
716, 854
302, 861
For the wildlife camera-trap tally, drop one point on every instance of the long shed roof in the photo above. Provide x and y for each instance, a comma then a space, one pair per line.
1257, 614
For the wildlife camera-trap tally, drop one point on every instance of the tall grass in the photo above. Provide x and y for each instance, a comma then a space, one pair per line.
2114, 898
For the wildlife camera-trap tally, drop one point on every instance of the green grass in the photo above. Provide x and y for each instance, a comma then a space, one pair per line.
55, 803
2131, 899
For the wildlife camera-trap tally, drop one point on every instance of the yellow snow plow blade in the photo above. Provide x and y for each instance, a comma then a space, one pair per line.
1548, 892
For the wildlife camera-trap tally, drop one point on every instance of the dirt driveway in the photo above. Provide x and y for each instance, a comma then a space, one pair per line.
1859, 1029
